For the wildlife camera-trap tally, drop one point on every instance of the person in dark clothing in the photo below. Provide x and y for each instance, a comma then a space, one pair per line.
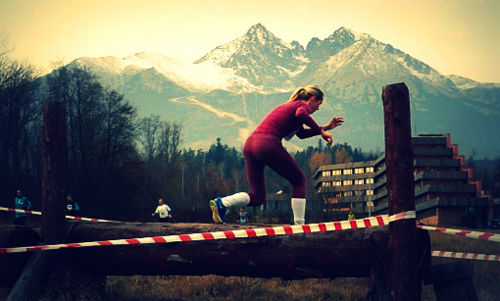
21, 202
243, 216
264, 148
71, 205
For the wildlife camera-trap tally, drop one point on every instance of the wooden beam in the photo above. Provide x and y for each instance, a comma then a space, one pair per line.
333, 254
12, 266
404, 281
37, 268
348, 253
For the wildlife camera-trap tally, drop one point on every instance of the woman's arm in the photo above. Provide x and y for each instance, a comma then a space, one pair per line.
335, 122
303, 133
303, 114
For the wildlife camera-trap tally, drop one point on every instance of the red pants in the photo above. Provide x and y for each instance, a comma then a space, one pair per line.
260, 151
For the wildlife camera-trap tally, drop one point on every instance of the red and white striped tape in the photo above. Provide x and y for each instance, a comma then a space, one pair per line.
20, 210
91, 219
465, 233
79, 218
464, 255
402, 215
230, 234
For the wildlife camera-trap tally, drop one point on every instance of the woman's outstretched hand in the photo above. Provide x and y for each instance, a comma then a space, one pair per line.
335, 122
327, 136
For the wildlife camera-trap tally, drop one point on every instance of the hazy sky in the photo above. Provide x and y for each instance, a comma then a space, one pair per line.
453, 36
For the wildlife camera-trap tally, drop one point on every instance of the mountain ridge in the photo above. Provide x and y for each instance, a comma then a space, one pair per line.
258, 70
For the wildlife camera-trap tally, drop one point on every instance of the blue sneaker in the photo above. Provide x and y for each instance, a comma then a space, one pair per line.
218, 210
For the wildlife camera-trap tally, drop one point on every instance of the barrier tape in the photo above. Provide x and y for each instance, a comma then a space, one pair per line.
464, 233
464, 255
20, 210
79, 218
230, 234
402, 215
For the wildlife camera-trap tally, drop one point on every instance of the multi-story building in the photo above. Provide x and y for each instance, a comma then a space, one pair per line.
445, 192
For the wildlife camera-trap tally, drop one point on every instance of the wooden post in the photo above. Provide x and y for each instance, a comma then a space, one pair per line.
54, 155
54, 172
404, 280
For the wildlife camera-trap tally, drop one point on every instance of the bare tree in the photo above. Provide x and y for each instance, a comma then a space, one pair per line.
19, 113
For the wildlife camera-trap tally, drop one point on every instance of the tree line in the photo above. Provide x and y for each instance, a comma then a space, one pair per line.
120, 164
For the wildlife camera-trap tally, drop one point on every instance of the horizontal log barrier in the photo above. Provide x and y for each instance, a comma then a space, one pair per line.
349, 253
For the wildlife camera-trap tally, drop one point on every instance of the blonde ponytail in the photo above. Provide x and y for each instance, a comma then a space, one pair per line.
304, 93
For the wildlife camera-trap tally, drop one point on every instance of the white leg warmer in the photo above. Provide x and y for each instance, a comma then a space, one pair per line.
240, 199
299, 210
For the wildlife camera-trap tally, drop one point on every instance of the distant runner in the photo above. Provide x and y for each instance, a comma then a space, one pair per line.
163, 211
263, 148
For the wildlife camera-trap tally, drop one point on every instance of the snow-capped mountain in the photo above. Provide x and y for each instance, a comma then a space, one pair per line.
193, 77
260, 57
229, 90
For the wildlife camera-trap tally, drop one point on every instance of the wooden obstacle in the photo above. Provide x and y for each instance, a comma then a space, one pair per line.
349, 253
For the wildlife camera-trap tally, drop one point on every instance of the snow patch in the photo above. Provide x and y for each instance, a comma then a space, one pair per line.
217, 112
195, 77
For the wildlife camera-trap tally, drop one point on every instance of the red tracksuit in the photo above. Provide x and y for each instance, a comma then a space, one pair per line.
264, 147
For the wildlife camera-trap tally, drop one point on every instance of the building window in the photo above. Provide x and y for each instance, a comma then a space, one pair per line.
337, 183
336, 172
359, 181
326, 173
359, 170
347, 171
369, 192
369, 169
347, 182
359, 192
326, 184
369, 181
332, 200
347, 193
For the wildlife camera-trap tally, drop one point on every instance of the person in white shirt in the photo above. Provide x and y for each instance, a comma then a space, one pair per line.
163, 211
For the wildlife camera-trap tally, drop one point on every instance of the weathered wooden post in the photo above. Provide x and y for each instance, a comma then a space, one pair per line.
404, 281
54, 171
54, 156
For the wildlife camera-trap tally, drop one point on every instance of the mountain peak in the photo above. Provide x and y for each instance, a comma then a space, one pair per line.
257, 28
343, 29
259, 33
343, 34
347, 34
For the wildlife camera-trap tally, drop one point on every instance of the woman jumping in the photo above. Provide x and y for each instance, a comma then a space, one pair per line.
263, 148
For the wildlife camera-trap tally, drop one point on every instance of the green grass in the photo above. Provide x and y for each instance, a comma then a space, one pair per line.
213, 287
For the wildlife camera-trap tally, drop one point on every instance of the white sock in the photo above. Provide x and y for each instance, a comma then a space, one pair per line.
299, 210
240, 199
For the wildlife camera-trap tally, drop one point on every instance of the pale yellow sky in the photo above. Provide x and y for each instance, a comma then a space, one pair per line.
453, 36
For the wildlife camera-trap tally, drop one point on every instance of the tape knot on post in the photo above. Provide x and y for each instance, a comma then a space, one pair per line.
402, 215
